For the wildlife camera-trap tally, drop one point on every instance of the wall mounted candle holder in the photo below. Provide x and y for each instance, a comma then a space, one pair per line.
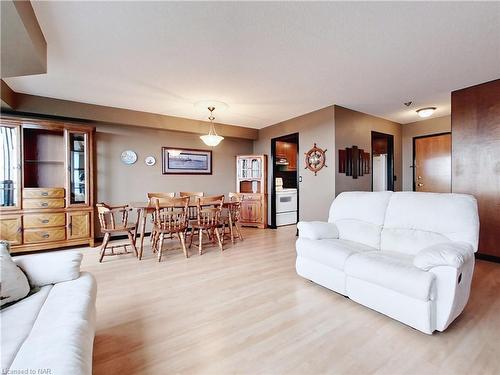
354, 162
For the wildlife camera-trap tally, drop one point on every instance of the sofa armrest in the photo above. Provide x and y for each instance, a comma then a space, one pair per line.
453, 254
50, 268
317, 230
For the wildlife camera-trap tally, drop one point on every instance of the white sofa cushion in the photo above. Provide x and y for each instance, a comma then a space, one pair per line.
50, 268
317, 230
453, 254
330, 252
16, 323
393, 271
414, 221
62, 336
359, 216
13, 281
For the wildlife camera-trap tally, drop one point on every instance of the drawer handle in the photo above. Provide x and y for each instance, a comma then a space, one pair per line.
44, 204
45, 221
45, 193
45, 235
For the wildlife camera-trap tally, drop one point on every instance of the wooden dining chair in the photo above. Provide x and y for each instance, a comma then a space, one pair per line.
161, 197
231, 216
114, 220
192, 209
192, 201
208, 220
191, 194
170, 218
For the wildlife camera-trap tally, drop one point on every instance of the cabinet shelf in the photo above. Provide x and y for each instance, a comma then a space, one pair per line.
45, 161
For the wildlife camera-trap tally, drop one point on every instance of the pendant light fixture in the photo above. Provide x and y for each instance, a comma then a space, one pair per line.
212, 139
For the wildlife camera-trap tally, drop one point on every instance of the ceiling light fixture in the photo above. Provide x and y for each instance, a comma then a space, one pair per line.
426, 112
212, 139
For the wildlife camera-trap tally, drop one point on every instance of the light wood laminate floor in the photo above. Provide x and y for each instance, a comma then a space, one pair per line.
246, 311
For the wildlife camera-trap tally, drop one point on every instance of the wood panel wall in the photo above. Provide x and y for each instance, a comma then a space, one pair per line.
475, 124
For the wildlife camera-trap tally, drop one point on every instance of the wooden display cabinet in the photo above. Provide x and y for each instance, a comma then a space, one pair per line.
46, 184
251, 183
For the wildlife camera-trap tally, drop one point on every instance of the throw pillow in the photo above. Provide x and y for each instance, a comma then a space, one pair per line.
13, 282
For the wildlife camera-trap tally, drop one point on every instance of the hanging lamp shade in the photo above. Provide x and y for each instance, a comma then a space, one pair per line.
211, 139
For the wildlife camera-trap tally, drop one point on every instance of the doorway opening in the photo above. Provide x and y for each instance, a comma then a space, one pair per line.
382, 161
284, 180
432, 163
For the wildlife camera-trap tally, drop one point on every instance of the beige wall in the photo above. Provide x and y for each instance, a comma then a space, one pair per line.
118, 183
415, 129
354, 128
315, 192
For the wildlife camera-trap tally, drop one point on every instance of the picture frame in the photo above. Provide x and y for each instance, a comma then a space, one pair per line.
186, 161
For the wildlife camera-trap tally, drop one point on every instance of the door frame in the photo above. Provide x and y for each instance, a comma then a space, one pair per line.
390, 157
294, 137
414, 155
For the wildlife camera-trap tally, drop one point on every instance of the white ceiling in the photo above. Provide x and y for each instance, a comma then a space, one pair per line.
268, 61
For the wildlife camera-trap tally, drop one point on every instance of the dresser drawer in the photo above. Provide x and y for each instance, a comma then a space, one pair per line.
44, 203
44, 235
43, 193
44, 220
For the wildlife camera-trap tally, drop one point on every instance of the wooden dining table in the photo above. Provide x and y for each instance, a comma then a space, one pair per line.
146, 208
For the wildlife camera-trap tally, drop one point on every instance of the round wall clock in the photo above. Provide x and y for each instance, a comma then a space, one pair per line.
128, 157
150, 161
315, 159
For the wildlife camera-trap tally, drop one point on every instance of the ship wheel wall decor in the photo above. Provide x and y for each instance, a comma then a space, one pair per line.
315, 159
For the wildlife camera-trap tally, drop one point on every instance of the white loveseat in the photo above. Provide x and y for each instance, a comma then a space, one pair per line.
52, 330
407, 255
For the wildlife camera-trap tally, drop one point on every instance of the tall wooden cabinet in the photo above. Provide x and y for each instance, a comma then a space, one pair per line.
251, 183
46, 184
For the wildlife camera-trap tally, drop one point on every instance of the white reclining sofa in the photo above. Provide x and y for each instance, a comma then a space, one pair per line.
407, 255
51, 331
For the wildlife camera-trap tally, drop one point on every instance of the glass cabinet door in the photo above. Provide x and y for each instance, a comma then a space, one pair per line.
77, 168
10, 167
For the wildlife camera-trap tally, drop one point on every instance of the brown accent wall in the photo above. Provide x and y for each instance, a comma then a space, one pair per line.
39, 105
415, 129
316, 193
475, 124
8, 96
24, 49
353, 128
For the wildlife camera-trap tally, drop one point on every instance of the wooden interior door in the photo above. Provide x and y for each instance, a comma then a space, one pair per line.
432, 156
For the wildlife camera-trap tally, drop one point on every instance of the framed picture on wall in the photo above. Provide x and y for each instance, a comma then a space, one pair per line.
186, 161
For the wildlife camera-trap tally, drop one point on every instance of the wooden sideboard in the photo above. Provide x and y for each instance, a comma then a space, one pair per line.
251, 183
46, 184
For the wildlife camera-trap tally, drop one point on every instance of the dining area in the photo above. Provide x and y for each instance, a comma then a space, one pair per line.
177, 220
